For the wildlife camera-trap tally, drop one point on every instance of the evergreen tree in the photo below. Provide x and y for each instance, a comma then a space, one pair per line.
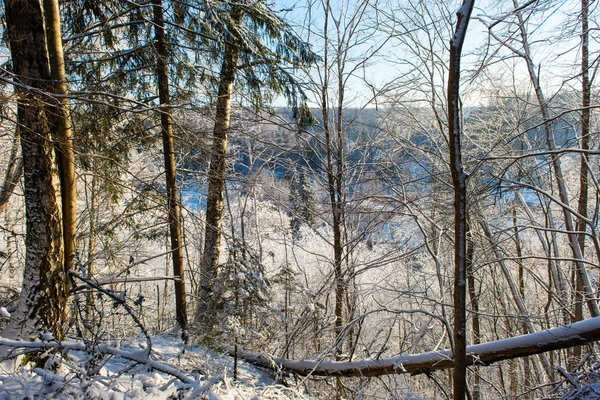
255, 48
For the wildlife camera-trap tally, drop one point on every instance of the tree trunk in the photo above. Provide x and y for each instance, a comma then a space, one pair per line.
474, 299
583, 171
166, 124
334, 180
547, 247
217, 174
61, 130
338, 249
460, 203
91, 250
43, 300
14, 171
519, 254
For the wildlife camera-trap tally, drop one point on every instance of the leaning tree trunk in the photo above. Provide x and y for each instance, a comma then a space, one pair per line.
43, 300
563, 193
459, 183
91, 250
217, 175
166, 124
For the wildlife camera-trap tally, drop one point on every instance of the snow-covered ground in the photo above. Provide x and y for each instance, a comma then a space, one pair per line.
112, 374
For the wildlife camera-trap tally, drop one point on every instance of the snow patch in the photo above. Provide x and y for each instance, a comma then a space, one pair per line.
127, 373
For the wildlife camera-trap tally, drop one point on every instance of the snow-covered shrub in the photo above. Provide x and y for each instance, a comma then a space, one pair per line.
241, 297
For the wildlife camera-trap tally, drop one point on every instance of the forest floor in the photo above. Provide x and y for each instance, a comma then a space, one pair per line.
123, 370
78, 375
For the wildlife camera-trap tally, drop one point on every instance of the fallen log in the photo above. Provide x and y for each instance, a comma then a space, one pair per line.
576, 334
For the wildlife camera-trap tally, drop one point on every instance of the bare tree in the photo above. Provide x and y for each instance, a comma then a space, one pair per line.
521, 48
459, 183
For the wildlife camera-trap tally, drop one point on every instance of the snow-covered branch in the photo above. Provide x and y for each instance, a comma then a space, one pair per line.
136, 279
141, 356
481, 354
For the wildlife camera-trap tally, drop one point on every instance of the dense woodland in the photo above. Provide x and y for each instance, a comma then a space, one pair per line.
368, 197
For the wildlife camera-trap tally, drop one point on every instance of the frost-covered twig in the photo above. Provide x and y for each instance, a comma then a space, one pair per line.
119, 300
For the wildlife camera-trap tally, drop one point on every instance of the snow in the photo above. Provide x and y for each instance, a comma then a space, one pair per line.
4, 312
110, 373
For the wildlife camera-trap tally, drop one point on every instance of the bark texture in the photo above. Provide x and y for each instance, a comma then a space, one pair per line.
60, 125
43, 298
